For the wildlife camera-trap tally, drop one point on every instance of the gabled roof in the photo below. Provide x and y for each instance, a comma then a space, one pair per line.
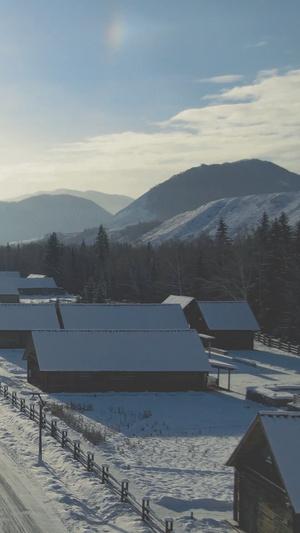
183, 301
122, 316
155, 350
26, 317
281, 429
228, 316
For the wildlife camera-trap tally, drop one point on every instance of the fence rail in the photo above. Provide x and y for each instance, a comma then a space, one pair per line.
277, 343
60, 434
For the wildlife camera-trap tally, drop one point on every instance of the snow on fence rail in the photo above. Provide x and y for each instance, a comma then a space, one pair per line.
277, 343
87, 460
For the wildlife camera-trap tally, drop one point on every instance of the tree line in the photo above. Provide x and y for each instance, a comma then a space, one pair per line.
261, 266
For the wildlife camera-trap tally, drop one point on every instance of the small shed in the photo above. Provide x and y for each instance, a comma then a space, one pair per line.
267, 473
122, 316
17, 320
101, 361
233, 324
189, 306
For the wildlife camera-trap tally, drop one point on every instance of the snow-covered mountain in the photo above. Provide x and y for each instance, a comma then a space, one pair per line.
240, 214
197, 186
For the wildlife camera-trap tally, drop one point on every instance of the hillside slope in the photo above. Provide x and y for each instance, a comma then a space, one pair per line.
240, 215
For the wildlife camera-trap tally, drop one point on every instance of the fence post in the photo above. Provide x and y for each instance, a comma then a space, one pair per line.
124, 490
145, 509
104, 473
22, 405
53, 427
31, 411
169, 524
5, 391
90, 461
64, 435
76, 451
13, 398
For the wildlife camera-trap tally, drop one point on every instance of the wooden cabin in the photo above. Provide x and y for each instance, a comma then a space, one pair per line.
267, 473
18, 320
110, 360
189, 307
231, 323
122, 316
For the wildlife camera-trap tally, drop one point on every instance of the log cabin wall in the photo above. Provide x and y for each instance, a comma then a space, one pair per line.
115, 381
262, 507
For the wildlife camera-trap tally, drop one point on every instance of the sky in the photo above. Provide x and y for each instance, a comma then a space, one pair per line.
119, 95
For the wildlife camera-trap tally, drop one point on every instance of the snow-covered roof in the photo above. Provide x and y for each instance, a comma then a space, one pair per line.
26, 317
282, 432
122, 316
183, 301
36, 276
8, 288
228, 316
147, 350
11, 285
9, 274
36, 283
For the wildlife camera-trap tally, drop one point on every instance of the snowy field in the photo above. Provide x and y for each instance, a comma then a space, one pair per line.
171, 447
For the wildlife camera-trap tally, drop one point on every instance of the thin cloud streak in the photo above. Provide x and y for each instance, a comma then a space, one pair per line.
229, 78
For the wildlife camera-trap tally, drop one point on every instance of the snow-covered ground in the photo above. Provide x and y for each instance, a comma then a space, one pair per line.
171, 446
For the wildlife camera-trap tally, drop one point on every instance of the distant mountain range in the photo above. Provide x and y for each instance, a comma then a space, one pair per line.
110, 202
34, 217
180, 207
198, 186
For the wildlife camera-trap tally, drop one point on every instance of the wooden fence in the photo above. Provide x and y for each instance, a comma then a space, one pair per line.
87, 460
277, 343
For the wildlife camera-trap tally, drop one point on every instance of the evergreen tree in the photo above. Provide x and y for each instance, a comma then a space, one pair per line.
52, 257
102, 273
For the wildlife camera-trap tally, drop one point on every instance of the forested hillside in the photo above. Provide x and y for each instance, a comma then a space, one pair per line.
262, 267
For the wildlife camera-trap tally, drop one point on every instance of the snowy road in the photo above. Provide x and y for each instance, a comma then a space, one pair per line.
20, 512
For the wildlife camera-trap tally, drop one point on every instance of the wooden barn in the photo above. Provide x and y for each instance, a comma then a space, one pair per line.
190, 308
231, 323
122, 316
267, 473
101, 361
17, 320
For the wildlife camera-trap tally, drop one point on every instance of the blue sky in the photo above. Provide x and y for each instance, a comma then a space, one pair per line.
118, 96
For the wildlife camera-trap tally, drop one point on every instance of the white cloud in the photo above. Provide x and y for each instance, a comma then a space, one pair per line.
260, 120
